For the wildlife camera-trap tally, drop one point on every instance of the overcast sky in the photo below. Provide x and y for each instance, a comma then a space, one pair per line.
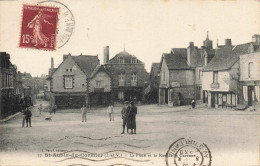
147, 28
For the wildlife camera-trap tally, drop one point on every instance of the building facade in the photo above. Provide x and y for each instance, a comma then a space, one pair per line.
249, 74
128, 76
11, 89
181, 73
100, 87
69, 83
176, 79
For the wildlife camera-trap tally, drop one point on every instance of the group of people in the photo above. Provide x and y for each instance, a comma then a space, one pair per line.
128, 114
129, 117
27, 114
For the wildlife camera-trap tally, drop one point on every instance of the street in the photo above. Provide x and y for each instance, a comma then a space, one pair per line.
231, 136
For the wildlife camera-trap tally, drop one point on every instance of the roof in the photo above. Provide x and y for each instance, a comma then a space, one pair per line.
98, 69
155, 67
226, 57
87, 63
211, 51
177, 59
124, 54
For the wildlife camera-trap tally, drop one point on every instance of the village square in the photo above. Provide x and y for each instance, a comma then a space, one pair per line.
124, 83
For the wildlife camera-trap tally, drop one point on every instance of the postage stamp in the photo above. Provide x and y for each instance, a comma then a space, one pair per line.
66, 22
39, 27
187, 152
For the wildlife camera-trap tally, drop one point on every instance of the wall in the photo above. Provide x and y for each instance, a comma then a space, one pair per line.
244, 60
104, 78
127, 69
164, 68
79, 79
197, 80
184, 77
223, 80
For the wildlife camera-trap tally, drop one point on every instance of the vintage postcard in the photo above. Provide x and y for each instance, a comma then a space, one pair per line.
129, 83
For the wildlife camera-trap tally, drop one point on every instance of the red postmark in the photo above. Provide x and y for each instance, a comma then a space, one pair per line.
39, 27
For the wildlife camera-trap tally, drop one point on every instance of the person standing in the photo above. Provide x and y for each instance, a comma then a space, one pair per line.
134, 112
131, 124
84, 113
50, 109
40, 109
28, 115
124, 113
24, 115
110, 111
54, 108
193, 103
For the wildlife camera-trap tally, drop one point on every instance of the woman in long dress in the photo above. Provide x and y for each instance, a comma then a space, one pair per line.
36, 24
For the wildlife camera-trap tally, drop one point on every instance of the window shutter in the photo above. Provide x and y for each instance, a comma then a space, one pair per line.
72, 82
64, 82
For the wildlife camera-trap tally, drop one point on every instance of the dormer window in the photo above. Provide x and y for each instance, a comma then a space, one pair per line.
69, 70
133, 60
121, 60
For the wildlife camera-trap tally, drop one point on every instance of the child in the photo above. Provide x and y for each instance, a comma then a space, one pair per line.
110, 111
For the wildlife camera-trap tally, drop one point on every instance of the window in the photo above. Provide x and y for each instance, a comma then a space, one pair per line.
68, 82
134, 77
133, 60
121, 60
69, 70
164, 76
121, 95
250, 69
122, 77
215, 77
98, 84
200, 74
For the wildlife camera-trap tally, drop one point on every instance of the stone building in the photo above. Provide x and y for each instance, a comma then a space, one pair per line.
128, 76
11, 90
69, 83
181, 73
176, 78
100, 87
249, 73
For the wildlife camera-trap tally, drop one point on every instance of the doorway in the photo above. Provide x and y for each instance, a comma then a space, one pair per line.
212, 100
250, 95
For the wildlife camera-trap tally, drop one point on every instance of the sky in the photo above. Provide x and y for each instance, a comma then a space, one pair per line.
144, 28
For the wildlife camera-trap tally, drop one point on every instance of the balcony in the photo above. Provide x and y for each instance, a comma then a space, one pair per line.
214, 85
133, 83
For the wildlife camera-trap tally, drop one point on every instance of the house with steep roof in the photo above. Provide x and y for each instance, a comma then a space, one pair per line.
70, 81
128, 76
181, 73
100, 87
221, 77
176, 78
249, 72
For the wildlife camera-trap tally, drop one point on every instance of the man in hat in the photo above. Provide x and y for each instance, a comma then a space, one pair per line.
28, 115
124, 113
131, 123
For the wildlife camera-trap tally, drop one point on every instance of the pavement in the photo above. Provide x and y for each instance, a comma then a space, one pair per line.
232, 137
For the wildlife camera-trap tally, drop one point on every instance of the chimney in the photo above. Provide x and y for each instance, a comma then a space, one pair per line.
52, 63
65, 57
106, 54
191, 44
256, 38
228, 42
189, 52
